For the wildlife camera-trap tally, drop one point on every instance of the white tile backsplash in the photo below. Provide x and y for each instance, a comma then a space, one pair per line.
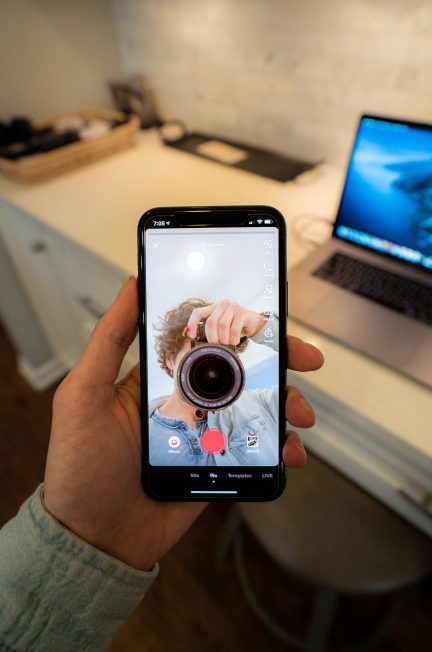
285, 74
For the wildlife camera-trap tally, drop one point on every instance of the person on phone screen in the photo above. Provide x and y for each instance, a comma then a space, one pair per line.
249, 426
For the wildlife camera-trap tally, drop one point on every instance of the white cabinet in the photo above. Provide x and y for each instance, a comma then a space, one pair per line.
31, 249
92, 285
69, 287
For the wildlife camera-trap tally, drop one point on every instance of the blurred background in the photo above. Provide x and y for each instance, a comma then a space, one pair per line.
286, 75
346, 553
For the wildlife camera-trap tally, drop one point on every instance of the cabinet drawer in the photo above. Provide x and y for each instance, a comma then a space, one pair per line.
34, 255
93, 285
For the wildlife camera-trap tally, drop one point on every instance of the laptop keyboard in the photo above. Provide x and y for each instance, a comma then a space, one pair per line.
408, 297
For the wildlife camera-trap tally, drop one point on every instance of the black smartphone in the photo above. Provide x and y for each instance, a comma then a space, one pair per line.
212, 325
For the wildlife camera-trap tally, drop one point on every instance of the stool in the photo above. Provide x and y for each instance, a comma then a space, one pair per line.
334, 535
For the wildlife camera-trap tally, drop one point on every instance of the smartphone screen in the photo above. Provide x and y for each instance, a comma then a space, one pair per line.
212, 289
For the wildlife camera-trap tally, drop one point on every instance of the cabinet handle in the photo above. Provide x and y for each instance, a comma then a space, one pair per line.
90, 306
37, 246
419, 496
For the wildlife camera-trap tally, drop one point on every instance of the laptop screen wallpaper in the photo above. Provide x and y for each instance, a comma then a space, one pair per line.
387, 200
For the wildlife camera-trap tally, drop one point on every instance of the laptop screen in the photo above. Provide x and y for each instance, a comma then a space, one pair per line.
386, 204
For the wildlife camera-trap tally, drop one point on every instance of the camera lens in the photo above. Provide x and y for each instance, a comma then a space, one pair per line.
211, 377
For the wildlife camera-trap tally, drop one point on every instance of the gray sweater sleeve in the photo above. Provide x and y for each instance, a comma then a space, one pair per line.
269, 334
58, 592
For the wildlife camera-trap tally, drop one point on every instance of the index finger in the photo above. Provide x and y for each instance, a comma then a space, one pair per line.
195, 318
303, 356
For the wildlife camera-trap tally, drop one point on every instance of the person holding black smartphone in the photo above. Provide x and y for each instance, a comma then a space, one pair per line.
234, 257
83, 549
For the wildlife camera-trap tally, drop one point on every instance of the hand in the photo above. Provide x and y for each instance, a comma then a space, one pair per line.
226, 322
92, 477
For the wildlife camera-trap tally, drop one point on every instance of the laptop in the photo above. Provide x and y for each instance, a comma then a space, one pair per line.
370, 285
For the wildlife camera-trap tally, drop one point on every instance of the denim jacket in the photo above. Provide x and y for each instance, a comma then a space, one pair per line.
251, 419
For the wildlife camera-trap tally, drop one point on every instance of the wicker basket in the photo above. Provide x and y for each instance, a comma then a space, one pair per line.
40, 167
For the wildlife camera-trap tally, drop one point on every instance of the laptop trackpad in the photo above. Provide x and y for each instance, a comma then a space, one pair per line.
367, 326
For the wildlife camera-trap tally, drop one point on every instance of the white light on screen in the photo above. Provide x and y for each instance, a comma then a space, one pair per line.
195, 261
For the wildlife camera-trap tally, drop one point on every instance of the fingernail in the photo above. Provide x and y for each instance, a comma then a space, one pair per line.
300, 447
303, 402
297, 441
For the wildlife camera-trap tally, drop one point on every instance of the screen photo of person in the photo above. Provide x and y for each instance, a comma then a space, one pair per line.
217, 354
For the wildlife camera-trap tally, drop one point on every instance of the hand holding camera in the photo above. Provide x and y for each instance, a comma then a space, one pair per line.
226, 322
211, 376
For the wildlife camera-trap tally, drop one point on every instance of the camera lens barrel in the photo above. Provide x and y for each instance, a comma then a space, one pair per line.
210, 376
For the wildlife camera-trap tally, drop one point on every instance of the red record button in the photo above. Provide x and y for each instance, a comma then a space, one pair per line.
213, 440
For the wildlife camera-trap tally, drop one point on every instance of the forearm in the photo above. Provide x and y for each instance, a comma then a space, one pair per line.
58, 592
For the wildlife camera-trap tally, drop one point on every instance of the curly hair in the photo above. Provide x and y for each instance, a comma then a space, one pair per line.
170, 339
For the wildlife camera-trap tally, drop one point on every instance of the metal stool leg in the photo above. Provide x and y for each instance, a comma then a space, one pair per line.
254, 603
229, 533
322, 618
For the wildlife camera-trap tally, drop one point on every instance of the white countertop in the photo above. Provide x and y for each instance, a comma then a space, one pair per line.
99, 206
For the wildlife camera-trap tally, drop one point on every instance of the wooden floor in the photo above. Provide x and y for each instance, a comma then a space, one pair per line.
196, 603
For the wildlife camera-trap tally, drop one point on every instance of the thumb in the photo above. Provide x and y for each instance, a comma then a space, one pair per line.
131, 382
110, 340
